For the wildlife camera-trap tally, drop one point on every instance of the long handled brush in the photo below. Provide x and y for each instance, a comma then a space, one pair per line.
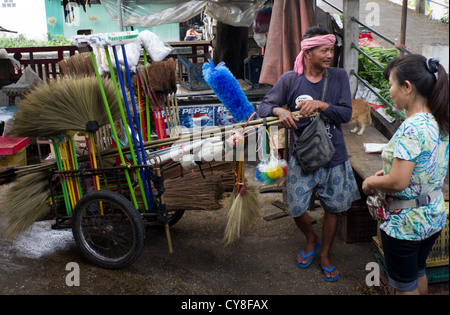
127, 132
140, 152
111, 120
244, 203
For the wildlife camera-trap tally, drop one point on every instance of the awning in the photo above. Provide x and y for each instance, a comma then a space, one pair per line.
141, 14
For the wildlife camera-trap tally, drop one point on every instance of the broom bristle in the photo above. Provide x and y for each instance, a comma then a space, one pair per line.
77, 65
64, 105
25, 203
244, 209
191, 192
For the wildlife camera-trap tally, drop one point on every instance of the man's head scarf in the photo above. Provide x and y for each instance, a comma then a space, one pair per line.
309, 43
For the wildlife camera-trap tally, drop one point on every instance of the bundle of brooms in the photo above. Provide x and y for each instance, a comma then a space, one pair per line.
25, 203
191, 192
159, 82
77, 65
69, 104
243, 205
56, 109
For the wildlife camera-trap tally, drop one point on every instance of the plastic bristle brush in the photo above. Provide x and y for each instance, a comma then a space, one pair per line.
228, 90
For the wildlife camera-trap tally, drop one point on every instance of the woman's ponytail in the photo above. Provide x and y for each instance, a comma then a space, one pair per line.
438, 101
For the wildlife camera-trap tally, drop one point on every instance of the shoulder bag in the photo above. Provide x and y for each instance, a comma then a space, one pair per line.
313, 148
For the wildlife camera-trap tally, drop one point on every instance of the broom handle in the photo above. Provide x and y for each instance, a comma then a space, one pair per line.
63, 181
75, 160
72, 167
240, 163
166, 225
140, 105
124, 121
257, 123
177, 112
147, 107
91, 162
111, 121
147, 184
63, 151
127, 107
133, 102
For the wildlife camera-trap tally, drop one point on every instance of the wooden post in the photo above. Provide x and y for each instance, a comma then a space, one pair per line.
351, 35
403, 26
420, 6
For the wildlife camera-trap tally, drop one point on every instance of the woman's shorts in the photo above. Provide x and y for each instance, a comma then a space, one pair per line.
336, 187
406, 260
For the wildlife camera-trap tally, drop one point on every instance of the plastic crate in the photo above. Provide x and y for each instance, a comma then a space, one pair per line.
356, 224
191, 74
439, 252
252, 69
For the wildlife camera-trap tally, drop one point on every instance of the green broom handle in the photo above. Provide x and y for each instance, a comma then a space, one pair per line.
63, 182
111, 121
124, 120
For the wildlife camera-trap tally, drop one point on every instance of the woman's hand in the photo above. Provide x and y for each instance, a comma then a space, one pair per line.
287, 119
367, 187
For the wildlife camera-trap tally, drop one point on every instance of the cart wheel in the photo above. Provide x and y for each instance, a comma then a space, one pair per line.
108, 229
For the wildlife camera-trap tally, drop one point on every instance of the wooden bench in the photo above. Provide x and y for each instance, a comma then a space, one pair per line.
367, 164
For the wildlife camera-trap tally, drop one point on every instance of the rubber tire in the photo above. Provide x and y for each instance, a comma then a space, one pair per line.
127, 208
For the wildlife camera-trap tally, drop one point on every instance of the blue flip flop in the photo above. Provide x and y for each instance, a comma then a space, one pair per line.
313, 253
329, 271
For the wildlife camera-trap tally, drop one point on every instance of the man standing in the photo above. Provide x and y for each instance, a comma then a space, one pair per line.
335, 184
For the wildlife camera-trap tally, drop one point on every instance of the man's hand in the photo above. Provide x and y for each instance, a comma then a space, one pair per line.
310, 106
287, 119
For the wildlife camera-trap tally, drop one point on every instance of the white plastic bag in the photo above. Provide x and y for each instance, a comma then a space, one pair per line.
155, 47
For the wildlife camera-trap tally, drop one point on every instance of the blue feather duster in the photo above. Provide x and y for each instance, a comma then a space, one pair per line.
228, 90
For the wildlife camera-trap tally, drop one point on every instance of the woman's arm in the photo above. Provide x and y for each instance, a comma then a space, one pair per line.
397, 179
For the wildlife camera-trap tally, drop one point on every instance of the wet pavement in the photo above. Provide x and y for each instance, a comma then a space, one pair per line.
262, 262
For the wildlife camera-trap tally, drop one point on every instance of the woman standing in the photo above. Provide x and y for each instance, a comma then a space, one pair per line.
415, 163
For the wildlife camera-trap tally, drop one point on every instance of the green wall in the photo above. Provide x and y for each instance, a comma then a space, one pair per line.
97, 19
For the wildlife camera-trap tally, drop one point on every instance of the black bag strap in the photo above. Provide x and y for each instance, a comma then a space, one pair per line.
323, 94
326, 78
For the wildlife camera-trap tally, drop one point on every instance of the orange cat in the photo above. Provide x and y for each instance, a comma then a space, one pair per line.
360, 115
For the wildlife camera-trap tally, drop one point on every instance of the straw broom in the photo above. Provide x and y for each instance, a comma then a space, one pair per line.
64, 105
77, 65
244, 202
25, 203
